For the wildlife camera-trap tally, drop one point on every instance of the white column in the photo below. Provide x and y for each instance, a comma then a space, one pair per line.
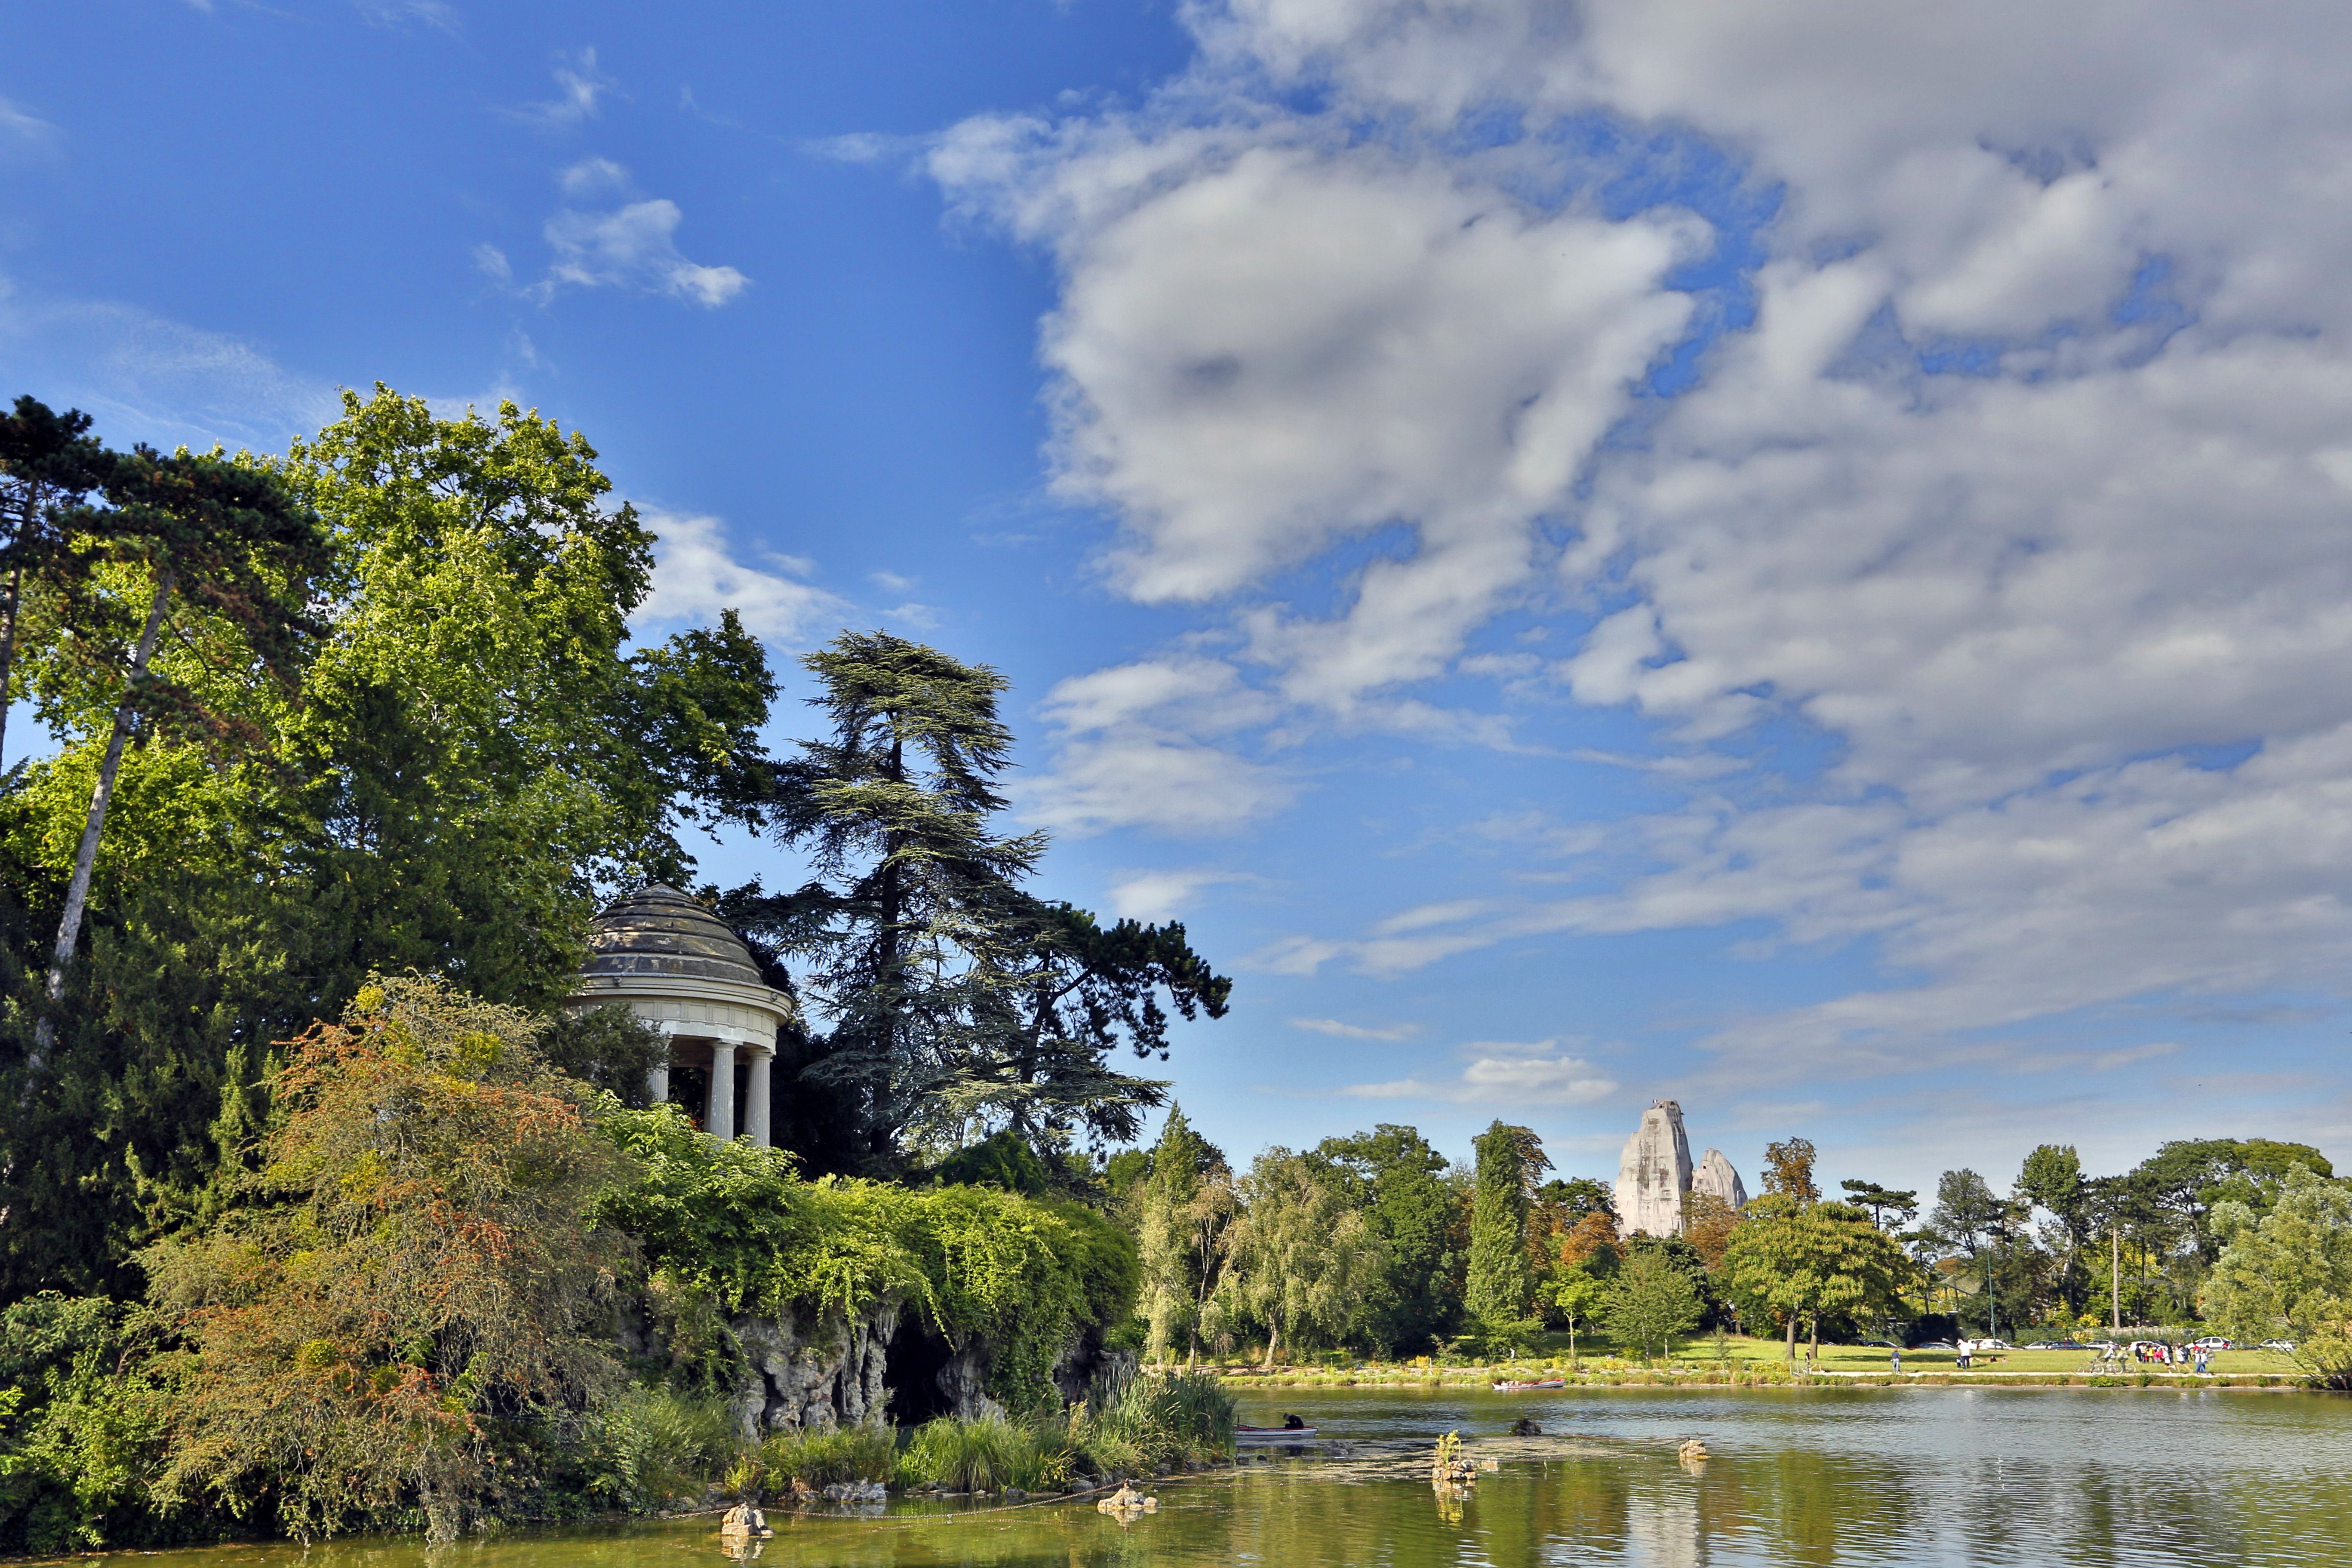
719, 1121
658, 1076
755, 1095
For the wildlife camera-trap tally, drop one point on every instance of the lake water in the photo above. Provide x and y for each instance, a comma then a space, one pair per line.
1887, 1478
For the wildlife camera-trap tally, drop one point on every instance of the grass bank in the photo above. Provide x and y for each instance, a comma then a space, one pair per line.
1738, 1360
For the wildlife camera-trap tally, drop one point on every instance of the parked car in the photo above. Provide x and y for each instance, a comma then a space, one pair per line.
2285, 1345
1935, 1345
2212, 1342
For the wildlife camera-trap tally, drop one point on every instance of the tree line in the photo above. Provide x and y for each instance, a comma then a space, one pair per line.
1376, 1244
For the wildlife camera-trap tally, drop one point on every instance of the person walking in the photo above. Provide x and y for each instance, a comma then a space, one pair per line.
1898, 1360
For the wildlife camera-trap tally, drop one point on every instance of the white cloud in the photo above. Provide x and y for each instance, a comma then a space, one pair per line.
148, 378
22, 132
392, 12
594, 177
2023, 605
695, 575
1498, 1073
632, 247
492, 263
1346, 1031
865, 147
1135, 746
1274, 340
1153, 897
580, 100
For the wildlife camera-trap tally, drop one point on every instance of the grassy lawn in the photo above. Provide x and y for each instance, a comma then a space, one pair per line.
1749, 1358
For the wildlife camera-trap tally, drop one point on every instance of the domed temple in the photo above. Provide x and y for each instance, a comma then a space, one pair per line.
674, 964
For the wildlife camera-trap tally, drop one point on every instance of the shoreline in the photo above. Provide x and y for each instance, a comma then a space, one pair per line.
1309, 1380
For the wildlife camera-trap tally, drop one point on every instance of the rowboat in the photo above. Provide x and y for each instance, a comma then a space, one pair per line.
1273, 1434
1522, 1387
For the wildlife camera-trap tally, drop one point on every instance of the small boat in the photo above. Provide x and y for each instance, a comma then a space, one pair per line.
1522, 1387
1273, 1434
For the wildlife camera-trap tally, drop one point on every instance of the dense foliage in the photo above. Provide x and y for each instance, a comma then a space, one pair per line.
405, 784
415, 1266
734, 1223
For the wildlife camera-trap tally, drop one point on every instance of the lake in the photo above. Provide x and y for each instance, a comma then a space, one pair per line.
1887, 1478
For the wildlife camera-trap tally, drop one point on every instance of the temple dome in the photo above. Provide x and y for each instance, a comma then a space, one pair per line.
659, 932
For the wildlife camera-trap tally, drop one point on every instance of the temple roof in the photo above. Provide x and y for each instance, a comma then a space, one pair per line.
657, 932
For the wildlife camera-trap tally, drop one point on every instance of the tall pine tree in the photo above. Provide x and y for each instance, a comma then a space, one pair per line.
960, 1004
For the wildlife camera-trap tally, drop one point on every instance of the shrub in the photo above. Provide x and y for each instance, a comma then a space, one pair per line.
988, 1455
659, 1444
818, 1457
1148, 1419
412, 1259
79, 1396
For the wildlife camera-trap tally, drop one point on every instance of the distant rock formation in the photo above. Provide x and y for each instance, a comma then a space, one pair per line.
1716, 1175
1656, 1174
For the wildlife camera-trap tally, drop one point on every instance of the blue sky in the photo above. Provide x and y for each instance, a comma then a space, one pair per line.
1753, 554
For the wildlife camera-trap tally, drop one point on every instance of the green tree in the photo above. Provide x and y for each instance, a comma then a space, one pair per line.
1398, 1180
2288, 1273
2186, 1176
234, 546
1576, 1294
1881, 1202
49, 461
1067, 993
1650, 1301
1794, 1263
1300, 1261
1969, 1212
1499, 1295
415, 1265
1185, 1206
2051, 1178
453, 793
476, 778
961, 1004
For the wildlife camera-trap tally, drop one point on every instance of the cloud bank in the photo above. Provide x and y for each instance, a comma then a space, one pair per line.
2008, 458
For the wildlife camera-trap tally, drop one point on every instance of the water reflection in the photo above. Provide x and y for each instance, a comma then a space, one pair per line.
1890, 1479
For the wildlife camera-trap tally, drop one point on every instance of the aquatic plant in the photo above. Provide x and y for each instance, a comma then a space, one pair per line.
819, 1457
655, 1444
988, 1454
1132, 1420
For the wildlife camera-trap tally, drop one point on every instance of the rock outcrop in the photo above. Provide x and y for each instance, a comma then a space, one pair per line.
827, 1370
1654, 1173
818, 1369
1716, 1175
